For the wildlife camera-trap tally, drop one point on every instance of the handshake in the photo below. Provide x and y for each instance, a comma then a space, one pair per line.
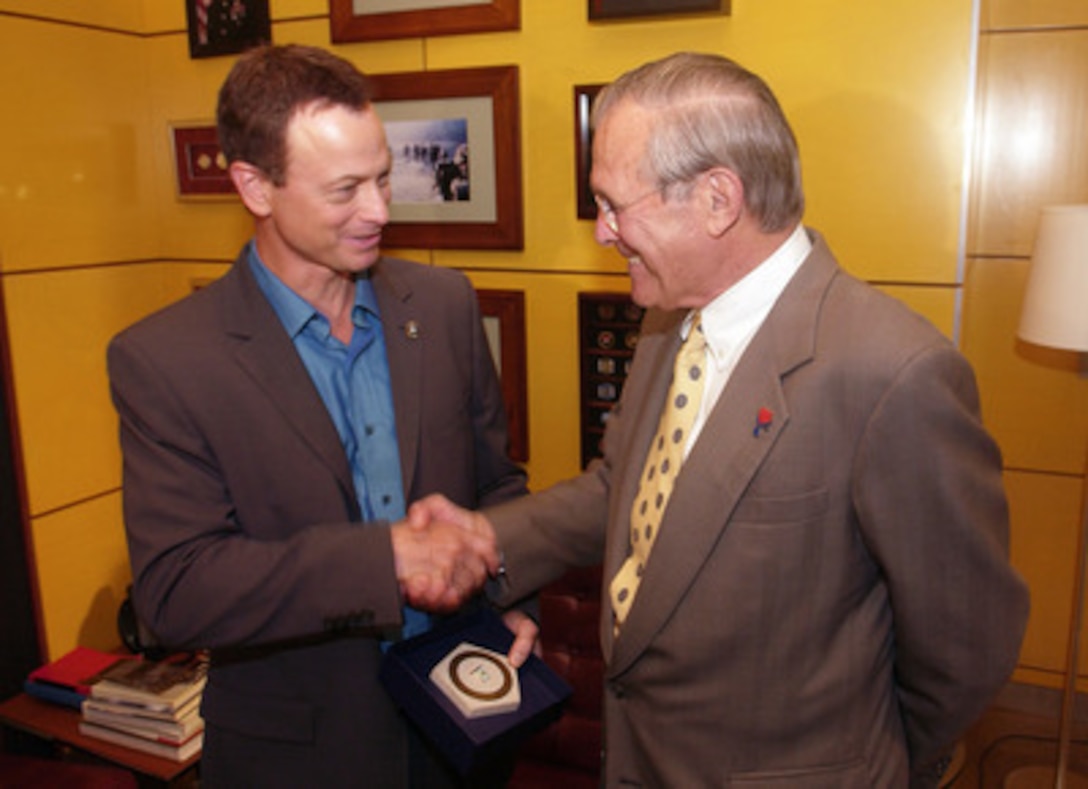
443, 554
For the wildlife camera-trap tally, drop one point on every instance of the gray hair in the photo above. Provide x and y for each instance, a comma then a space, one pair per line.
708, 111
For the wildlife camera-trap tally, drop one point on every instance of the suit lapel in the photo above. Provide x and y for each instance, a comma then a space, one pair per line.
405, 333
712, 481
265, 352
725, 458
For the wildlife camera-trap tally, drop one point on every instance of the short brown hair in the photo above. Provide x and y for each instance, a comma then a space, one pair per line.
264, 90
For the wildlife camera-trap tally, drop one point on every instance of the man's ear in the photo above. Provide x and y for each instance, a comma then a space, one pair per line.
724, 196
253, 186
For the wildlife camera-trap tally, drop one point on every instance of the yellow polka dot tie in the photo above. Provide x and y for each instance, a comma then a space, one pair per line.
662, 465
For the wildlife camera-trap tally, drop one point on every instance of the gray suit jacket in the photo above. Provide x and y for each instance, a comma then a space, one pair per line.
243, 525
829, 601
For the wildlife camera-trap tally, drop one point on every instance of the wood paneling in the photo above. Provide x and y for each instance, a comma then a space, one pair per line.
1031, 151
1033, 401
1036, 13
1044, 510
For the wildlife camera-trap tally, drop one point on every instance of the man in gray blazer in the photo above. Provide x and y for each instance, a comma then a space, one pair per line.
277, 422
827, 601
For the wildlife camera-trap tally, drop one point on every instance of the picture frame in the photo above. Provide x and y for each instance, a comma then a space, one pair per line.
503, 315
620, 9
455, 136
608, 333
371, 20
226, 27
583, 149
199, 165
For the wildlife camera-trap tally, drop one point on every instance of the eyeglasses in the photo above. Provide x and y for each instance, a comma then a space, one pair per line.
611, 213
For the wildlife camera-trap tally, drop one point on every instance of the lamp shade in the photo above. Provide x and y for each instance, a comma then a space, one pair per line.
1055, 311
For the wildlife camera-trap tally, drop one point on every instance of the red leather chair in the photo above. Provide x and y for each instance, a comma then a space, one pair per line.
568, 753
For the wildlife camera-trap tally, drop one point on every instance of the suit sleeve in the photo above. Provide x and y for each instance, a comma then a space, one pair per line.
544, 535
213, 567
928, 492
566, 525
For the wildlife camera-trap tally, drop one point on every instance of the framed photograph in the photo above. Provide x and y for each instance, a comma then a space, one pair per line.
199, 163
368, 20
583, 149
503, 313
456, 143
619, 9
226, 27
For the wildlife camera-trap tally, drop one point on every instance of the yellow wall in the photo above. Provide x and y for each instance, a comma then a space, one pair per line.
92, 235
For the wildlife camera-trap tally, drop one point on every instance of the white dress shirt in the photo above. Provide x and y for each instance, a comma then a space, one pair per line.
733, 318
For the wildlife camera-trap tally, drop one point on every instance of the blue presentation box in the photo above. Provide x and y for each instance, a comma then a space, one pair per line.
469, 743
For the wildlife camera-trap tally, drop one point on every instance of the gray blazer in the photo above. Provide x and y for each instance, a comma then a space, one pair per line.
829, 602
243, 525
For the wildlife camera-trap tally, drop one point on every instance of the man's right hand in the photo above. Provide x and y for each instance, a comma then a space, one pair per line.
440, 564
436, 509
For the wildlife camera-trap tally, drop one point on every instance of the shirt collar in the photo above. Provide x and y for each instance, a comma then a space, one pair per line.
294, 312
741, 309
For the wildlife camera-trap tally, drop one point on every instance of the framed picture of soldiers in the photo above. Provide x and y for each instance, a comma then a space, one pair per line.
455, 140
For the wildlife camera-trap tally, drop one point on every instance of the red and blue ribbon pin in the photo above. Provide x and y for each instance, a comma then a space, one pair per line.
763, 421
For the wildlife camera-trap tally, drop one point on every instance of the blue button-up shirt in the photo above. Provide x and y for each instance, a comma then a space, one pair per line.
353, 381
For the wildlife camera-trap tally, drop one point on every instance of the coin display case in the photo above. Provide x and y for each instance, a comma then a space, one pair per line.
608, 327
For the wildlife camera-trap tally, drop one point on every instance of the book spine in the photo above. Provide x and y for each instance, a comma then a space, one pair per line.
102, 706
134, 704
54, 694
177, 753
176, 732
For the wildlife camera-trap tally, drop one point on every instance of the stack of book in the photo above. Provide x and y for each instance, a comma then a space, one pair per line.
152, 706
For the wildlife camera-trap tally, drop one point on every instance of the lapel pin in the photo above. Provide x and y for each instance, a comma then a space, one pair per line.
763, 421
411, 330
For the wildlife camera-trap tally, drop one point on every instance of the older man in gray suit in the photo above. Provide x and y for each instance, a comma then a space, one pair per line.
814, 590
277, 422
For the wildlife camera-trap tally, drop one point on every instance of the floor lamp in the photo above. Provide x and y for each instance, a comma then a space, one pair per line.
1055, 315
